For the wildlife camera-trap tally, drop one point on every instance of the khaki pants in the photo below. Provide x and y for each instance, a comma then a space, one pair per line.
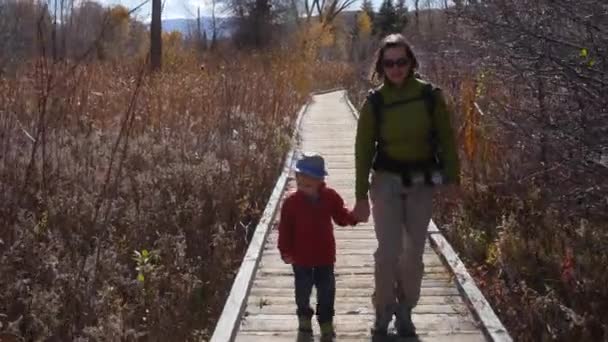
401, 218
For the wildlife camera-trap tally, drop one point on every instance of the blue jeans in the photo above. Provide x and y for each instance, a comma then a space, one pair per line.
323, 278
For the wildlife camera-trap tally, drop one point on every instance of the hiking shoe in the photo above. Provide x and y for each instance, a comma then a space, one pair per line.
380, 329
305, 324
379, 334
403, 323
327, 332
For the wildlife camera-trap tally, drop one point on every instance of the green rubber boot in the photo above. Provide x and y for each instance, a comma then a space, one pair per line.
305, 324
327, 332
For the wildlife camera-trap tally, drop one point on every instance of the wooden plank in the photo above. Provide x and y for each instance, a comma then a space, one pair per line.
341, 173
342, 292
361, 259
353, 110
336, 136
344, 251
342, 245
358, 337
331, 126
437, 323
362, 230
354, 234
344, 282
491, 325
455, 299
228, 322
350, 270
339, 159
321, 146
433, 227
354, 308
347, 277
317, 93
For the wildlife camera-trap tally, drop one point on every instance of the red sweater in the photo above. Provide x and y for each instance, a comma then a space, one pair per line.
305, 228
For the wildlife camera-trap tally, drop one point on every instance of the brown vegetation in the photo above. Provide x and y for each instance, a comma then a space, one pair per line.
128, 198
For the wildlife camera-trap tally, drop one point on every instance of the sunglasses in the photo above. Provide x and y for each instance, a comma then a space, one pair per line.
389, 63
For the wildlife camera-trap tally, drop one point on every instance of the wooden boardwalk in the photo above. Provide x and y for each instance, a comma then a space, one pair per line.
451, 308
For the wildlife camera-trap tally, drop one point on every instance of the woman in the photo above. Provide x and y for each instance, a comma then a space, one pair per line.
404, 137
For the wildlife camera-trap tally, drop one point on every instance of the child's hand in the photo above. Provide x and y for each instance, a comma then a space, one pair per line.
353, 219
287, 259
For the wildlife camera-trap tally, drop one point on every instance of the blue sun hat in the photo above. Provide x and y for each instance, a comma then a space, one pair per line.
311, 164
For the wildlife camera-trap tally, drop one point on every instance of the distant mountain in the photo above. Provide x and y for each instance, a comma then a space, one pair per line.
225, 25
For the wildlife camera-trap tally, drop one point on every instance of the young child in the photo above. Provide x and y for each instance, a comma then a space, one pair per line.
306, 241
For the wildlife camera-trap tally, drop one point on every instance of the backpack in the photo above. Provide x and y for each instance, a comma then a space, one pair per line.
383, 161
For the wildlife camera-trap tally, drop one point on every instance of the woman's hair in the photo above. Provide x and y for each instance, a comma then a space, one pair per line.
391, 41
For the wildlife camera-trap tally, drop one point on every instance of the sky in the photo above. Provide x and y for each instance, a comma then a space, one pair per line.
172, 8
185, 8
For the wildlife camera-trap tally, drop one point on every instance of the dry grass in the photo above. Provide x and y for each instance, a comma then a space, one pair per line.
534, 244
539, 260
128, 199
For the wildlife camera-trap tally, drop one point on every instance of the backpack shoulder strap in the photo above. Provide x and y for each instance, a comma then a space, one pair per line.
429, 94
374, 97
376, 101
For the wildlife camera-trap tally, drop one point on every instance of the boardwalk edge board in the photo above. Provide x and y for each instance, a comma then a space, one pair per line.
228, 323
491, 324
326, 91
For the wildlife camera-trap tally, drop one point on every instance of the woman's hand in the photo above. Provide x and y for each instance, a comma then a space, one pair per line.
361, 210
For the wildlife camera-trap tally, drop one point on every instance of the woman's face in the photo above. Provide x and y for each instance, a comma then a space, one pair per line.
396, 65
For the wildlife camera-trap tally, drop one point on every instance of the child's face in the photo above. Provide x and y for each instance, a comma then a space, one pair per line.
307, 184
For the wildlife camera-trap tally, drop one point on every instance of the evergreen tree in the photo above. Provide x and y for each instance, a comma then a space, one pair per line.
386, 21
401, 15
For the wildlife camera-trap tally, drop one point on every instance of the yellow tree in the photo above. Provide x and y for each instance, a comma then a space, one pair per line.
364, 25
173, 48
116, 35
361, 34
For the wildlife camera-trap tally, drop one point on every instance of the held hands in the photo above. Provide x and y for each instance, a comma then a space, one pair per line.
361, 210
352, 219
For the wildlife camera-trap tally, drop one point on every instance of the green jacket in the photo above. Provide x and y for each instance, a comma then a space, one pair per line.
406, 130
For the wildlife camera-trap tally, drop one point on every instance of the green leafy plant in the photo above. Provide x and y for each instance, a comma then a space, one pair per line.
146, 262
